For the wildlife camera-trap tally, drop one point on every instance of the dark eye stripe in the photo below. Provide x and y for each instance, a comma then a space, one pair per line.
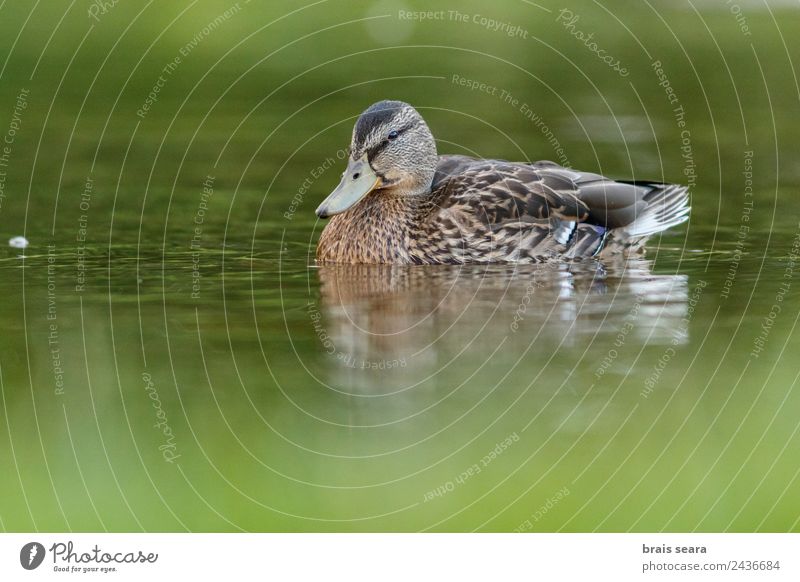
381, 146
398, 132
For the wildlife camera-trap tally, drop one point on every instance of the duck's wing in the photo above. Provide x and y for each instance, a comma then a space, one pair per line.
501, 191
540, 209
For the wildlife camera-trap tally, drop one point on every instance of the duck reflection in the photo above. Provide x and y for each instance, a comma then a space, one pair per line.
386, 318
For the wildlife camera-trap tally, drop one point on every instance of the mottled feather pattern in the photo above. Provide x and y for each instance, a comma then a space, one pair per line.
482, 211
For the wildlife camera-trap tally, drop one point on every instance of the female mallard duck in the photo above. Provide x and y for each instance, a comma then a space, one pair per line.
399, 202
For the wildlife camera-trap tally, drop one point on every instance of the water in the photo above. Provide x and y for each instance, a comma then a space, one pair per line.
173, 359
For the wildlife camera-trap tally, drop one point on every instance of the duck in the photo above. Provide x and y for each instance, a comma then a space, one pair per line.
400, 202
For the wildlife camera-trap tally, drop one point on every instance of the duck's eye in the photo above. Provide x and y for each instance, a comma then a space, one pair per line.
393, 134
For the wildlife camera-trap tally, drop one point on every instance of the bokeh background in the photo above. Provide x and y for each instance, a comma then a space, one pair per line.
172, 359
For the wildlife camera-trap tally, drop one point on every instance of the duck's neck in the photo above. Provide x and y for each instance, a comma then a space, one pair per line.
376, 230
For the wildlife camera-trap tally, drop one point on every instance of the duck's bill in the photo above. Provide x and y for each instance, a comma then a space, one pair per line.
358, 180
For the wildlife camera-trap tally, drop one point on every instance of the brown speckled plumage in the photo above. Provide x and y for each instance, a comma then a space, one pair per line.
485, 211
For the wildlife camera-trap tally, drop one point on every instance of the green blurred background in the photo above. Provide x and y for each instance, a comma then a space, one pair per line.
256, 371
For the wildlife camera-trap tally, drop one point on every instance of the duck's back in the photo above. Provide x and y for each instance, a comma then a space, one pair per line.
493, 210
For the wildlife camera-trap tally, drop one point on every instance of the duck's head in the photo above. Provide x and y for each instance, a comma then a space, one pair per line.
392, 150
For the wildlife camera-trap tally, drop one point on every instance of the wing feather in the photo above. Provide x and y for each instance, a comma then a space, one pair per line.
527, 210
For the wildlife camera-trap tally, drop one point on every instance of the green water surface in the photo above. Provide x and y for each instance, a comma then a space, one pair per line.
173, 359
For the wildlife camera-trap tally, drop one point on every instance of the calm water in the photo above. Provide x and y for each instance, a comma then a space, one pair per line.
173, 359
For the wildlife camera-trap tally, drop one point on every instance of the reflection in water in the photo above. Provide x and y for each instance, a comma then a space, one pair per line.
347, 392
382, 317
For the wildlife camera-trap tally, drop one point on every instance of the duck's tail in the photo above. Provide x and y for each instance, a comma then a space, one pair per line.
667, 205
